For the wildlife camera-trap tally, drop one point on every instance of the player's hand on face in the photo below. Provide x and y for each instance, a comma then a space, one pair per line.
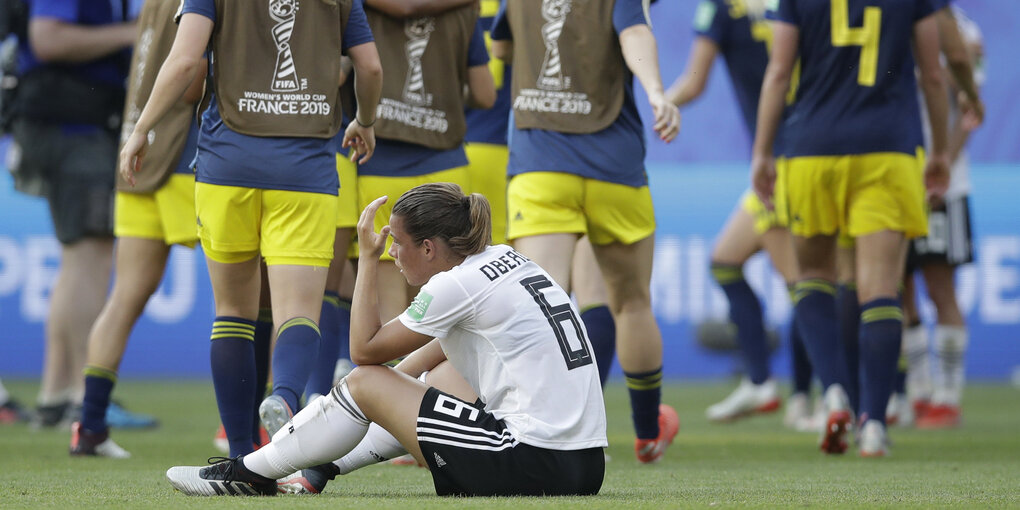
360, 140
763, 178
936, 177
131, 156
667, 117
371, 243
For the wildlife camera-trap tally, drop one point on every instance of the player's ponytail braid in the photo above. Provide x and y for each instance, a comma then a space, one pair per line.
440, 210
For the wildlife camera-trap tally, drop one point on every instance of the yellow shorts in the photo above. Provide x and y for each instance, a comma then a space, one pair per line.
855, 194
371, 187
487, 164
764, 219
286, 227
555, 202
167, 215
347, 212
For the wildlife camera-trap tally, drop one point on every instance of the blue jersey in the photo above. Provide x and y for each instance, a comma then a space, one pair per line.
489, 126
857, 93
187, 162
743, 42
615, 154
229, 158
399, 159
111, 69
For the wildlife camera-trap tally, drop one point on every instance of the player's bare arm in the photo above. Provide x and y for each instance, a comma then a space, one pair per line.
689, 85
642, 57
53, 40
959, 60
368, 76
933, 85
179, 70
481, 89
785, 38
371, 342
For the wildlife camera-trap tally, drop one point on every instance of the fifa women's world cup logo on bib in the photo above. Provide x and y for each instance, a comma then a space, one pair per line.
285, 77
418, 32
551, 76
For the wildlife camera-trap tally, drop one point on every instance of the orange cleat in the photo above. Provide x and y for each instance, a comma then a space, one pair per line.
651, 450
940, 416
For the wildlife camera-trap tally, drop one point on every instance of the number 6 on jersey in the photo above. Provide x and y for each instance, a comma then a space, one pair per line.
558, 316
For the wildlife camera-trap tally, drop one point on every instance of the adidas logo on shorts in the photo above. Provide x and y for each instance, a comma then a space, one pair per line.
439, 460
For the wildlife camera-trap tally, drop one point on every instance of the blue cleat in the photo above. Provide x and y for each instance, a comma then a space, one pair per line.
119, 418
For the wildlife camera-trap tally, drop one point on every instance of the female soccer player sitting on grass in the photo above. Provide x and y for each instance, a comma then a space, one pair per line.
524, 415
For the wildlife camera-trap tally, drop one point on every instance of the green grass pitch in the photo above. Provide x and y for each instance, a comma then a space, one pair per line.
753, 463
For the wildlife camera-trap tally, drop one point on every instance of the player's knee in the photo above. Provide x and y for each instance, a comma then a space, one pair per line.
360, 379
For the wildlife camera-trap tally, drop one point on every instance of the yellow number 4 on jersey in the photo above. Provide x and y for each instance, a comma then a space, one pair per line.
865, 36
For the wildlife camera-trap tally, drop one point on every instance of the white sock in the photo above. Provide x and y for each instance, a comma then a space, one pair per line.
915, 350
323, 431
950, 347
377, 446
4, 396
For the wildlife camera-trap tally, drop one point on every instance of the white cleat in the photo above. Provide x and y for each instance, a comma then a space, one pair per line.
798, 408
747, 399
873, 440
274, 414
899, 411
220, 479
838, 421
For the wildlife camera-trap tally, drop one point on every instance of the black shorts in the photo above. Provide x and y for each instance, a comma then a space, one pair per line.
471, 453
74, 171
949, 237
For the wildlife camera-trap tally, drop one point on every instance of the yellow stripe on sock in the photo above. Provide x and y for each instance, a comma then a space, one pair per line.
850, 285
214, 336
332, 300
265, 315
649, 382
643, 385
727, 274
235, 330
100, 372
233, 324
298, 321
901, 364
882, 313
591, 307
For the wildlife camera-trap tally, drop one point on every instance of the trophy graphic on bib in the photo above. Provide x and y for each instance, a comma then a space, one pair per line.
551, 75
285, 77
418, 31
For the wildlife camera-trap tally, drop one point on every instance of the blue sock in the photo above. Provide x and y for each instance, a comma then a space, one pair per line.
745, 313
321, 379
99, 384
801, 363
601, 327
848, 315
645, 390
232, 356
297, 345
344, 328
881, 334
263, 344
901, 375
815, 315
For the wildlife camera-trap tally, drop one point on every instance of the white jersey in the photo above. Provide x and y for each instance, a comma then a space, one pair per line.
959, 171
517, 339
